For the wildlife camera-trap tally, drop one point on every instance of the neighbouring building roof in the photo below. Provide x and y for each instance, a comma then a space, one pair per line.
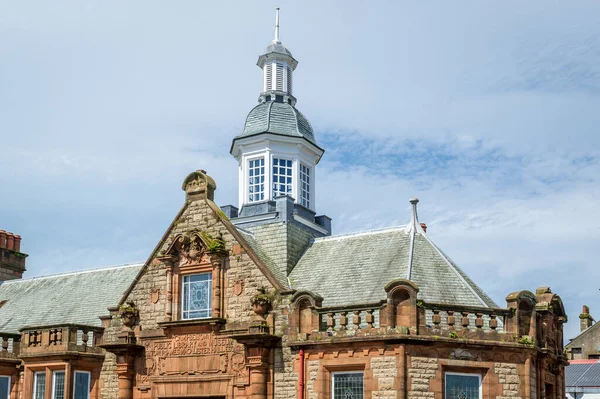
277, 118
354, 268
71, 298
582, 373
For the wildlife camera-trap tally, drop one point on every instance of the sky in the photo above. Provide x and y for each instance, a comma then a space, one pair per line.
486, 111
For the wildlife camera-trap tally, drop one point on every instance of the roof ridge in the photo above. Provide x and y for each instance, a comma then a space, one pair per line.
97, 269
360, 233
455, 270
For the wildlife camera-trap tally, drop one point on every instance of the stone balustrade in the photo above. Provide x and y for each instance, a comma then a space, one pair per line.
60, 338
349, 318
9, 345
422, 319
463, 321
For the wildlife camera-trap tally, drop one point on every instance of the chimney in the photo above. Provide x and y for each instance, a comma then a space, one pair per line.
585, 319
12, 260
424, 227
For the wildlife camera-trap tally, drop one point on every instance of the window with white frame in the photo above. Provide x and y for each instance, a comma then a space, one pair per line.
81, 385
39, 385
347, 385
462, 386
4, 386
256, 180
305, 185
282, 177
197, 296
58, 385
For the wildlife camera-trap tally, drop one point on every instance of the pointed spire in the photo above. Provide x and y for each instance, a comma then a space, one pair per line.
276, 39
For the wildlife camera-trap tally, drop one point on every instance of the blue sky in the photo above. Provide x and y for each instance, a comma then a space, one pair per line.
488, 112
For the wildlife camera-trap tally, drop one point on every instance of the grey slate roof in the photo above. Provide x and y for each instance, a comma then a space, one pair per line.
77, 298
277, 118
354, 268
582, 375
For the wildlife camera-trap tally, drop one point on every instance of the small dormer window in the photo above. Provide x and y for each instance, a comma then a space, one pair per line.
282, 177
256, 180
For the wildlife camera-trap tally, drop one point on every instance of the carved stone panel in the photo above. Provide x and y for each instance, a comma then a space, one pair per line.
192, 354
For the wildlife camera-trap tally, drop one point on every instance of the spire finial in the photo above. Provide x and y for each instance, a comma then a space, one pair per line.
414, 222
276, 40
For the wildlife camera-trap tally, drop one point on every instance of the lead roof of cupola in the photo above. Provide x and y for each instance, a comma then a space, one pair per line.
277, 118
278, 48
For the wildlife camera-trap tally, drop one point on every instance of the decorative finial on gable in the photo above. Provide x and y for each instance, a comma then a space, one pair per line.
199, 185
276, 40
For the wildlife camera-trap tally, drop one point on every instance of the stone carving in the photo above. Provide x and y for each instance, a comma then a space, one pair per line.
154, 295
463, 354
191, 354
238, 287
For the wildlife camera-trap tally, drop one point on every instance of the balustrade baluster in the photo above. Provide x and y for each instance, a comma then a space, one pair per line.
370, 318
85, 337
4, 344
451, 319
479, 320
437, 319
464, 321
493, 322
343, 320
330, 321
356, 319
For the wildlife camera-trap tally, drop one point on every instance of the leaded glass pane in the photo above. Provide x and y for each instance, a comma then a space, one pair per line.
462, 386
39, 385
81, 389
348, 386
58, 391
4, 387
197, 296
305, 185
282, 177
256, 180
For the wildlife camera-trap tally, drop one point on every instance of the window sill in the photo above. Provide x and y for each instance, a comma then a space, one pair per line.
192, 322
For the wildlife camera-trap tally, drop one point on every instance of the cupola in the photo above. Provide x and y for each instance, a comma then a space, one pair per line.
276, 150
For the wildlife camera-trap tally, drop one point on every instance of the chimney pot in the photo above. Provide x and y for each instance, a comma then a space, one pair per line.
424, 227
10, 241
17, 243
2, 239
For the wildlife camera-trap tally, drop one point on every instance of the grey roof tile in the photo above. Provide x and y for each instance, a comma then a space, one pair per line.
76, 298
277, 118
354, 268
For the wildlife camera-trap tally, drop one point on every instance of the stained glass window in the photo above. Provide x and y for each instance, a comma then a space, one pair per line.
39, 385
348, 385
256, 180
463, 386
282, 177
4, 387
197, 296
58, 385
305, 185
81, 385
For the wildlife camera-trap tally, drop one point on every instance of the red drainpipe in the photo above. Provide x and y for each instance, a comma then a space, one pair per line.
301, 396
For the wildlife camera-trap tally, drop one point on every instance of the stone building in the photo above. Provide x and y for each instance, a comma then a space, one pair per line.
587, 344
261, 301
